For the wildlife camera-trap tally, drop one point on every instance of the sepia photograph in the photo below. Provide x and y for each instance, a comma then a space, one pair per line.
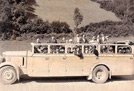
66, 45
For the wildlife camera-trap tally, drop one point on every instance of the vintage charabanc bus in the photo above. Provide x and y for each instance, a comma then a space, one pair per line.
97, 62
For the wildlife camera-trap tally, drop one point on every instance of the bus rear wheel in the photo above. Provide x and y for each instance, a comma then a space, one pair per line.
8, 75
100, 74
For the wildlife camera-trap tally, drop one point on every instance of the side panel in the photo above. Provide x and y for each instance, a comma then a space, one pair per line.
88, 62
37, 66
118, 65
124, 65
74, 65
57, 65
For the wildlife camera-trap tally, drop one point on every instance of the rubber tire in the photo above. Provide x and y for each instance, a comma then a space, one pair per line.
105, 75
12, 80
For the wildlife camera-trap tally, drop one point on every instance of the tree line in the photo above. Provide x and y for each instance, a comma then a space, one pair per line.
123, 9
17, 19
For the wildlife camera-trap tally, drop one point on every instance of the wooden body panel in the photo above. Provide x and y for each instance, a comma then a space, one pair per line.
57, 65
88, 63
74, 65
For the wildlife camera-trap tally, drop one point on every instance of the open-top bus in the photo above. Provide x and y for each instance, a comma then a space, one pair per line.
95, 61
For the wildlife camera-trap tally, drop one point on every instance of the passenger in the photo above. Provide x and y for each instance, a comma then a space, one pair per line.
124, 50
45, 50
70, 41
98, 39
40, 49
53, 47
102, 39
110, 50
69, 50
83, 39
67, 41
86, 51
120, 51
93, 40
63, 40
57, 50
77, 50
53, 40
77, 39
38, 40
96, 51
61, 49
91, 49
106, 38
104, 49
128, 51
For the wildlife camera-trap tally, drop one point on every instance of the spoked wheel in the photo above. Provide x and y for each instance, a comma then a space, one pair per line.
8, 75
100, 74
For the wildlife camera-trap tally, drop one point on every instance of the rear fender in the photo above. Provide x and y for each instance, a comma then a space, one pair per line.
91, 70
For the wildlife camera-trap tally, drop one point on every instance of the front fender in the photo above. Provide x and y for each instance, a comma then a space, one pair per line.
13, 65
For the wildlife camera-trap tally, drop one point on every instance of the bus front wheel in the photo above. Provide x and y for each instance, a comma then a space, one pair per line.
100, 74
8, 75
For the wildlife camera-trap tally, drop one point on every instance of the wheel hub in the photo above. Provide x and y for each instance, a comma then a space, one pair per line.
7, 75
99, 74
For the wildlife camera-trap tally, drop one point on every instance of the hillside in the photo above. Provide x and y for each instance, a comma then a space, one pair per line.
32, 19
62, 10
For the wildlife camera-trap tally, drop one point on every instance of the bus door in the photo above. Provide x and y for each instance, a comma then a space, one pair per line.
74, 60
57, 62
39, 62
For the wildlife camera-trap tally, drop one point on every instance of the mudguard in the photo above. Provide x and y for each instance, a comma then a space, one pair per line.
95, 65
13, 65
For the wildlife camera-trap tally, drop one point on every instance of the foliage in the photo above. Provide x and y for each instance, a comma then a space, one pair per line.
124, 9
17, 19
109, 28
78, 17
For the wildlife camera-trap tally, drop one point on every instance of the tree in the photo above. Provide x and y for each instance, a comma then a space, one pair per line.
78, 18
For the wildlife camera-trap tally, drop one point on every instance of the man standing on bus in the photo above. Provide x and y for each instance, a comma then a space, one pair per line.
93, 41
83, 39
53, 40
102, 38
77, 39
53, 47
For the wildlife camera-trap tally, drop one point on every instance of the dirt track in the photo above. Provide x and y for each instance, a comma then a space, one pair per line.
70, 84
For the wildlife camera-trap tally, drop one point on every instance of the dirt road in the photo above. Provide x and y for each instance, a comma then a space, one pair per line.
70, 84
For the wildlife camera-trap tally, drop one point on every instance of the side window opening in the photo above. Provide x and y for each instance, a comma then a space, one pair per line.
107, 49
124, 49
74, 49
41, 49
57, 49
89, 49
